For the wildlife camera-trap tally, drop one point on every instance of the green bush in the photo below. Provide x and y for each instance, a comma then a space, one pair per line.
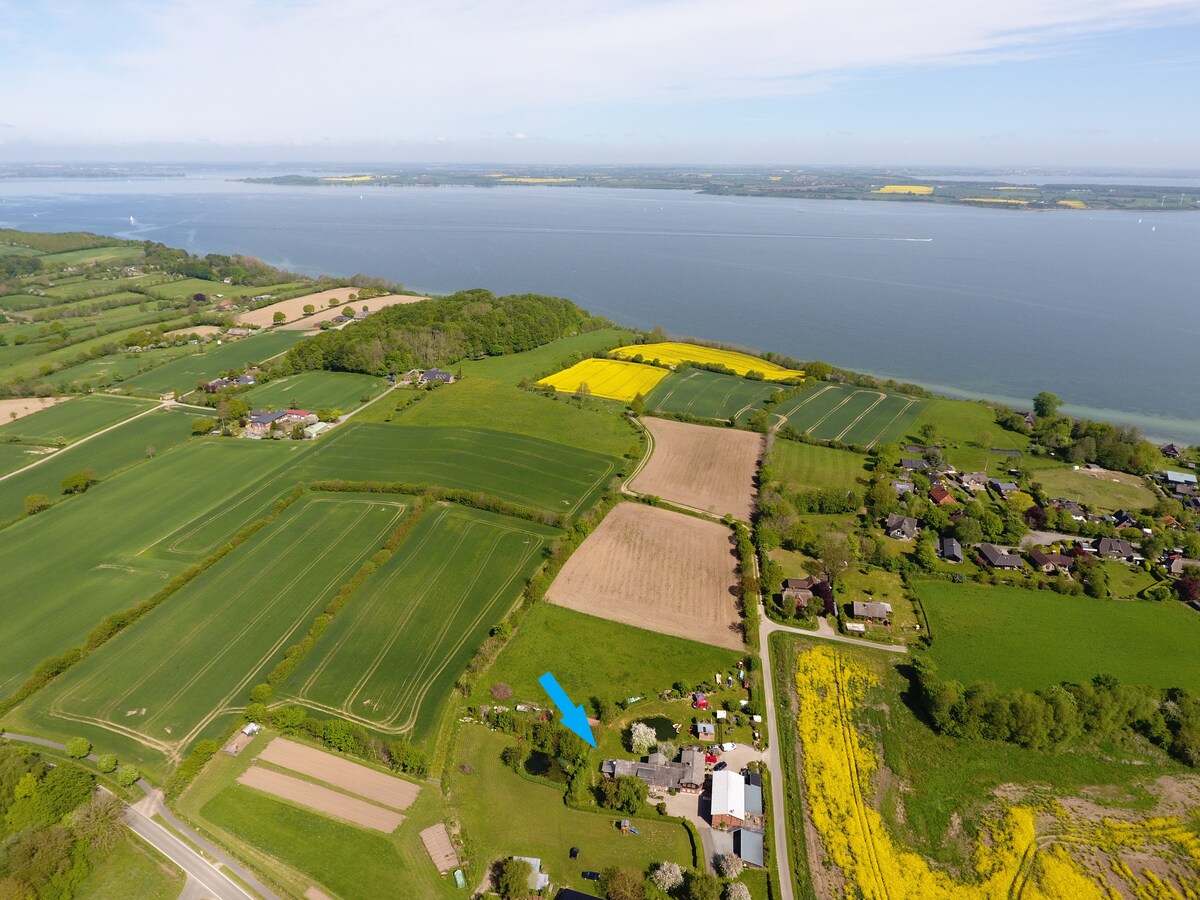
107, 762
78, 748
128, 776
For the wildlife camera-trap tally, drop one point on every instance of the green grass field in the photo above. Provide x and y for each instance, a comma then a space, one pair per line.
968, 430
593, 657
517, 468
133, 869
64, 569
1033, 639
293, 847
809, 466
112, 256
72, 420
1107, 493
105, 454
707, 394
183, 374
115, 369
316, 390
224, 630
505, 814
391, 659
512, 367
17, 456
851, 414
481, 403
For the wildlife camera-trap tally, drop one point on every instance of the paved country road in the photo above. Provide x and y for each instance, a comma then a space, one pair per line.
212, 881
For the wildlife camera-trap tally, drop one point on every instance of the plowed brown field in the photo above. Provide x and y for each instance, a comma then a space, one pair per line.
321, 799
342, 773
658, 570
698, 466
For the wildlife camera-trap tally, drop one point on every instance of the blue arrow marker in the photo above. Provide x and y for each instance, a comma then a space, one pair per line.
573, 716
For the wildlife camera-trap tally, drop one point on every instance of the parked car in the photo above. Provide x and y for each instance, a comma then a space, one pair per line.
727, 746
720, 766
590, 876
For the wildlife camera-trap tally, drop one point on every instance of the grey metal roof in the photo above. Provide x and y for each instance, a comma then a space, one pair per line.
749, 846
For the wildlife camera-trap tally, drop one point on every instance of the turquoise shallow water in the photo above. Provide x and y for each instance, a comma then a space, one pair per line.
1099, 307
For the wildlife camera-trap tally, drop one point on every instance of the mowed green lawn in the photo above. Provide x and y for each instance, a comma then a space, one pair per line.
133, 869
809, 466
183, 374
517, 468
968, 430
312, 391
64, 569
105, 454
707, 394
593, 657
202, 651
545, 360
72, 420
1107, 492
295, 847
108, 255
850, 414
505, 815
391, 658
1033, 639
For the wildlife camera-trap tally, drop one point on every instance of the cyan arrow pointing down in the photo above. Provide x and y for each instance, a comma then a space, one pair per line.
573, 717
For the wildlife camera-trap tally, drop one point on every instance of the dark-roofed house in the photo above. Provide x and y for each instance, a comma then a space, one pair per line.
1170, 451
657, 771
902, 528
1004, 488
1175, 564
438, 376
1050, 562
973, 481
1114, 548
1122, 518
913, 464
950, 550
942, 497
1070, 507
217, 384
748, 845
260, 421
799, 589
998, 558
872, 610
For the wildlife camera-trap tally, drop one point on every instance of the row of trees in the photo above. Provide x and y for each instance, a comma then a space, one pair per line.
1063, 714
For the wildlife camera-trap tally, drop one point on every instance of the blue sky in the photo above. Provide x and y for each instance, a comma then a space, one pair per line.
931, 82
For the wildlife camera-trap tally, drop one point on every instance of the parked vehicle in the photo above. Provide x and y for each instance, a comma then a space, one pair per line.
590, 876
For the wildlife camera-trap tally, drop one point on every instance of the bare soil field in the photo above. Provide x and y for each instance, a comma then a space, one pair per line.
294, 308
705, 468
439, 847
659, 570
200, 330
341, 773
23, 406
321, 799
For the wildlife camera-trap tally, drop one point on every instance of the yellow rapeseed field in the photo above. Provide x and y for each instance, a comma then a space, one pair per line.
1011, 859
1012, 188
672, 353
1073, 204
350, 178
530, 180
905, 189
609, 378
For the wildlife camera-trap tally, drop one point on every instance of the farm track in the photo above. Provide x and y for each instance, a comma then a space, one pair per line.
860, 803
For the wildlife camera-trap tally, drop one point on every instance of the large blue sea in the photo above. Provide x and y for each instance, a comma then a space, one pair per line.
1103, 308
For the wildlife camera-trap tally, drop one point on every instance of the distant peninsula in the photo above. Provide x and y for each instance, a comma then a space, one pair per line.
896, 186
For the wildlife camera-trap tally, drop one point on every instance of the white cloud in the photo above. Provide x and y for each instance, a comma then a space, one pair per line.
372, 70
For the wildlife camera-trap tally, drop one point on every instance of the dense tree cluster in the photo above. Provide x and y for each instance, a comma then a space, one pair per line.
1100, 709
440, 332
1118, 447
52, 829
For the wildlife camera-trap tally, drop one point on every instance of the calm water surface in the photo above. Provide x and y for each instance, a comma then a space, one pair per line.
1099, 307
